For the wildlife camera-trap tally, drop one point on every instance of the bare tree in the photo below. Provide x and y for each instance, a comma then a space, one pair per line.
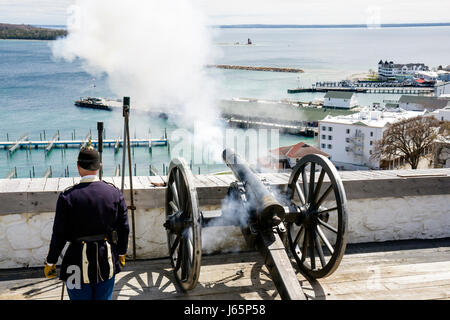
408, 138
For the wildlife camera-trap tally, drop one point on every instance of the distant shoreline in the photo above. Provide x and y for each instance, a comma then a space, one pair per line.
330, 26
28, 32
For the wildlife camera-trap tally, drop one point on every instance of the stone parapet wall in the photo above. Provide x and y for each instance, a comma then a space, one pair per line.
382, 205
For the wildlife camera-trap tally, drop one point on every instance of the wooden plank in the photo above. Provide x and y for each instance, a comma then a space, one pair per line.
5, 183
9, 185
361, 189
226, 179
241, 275
201, 181
117, 181
282, 177
427, 293
13, 199
157, 181
36, 184
21, 186
137, 184
52, 184
110, 180
216, 181
145, 182
64, 183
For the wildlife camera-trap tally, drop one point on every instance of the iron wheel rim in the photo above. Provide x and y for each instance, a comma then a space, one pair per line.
309, 236
185, 248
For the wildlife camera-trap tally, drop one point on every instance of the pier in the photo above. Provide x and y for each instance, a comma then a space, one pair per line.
17, 144
54, 143
364, 87
284, 128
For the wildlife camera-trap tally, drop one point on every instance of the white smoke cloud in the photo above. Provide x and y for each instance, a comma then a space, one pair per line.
153, 51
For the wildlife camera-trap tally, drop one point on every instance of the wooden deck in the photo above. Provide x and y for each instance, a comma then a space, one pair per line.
413, 269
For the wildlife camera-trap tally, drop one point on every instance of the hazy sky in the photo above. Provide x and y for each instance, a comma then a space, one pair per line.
261, 11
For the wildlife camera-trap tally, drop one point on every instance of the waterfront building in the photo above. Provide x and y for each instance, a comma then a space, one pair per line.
443, 75
393, 71
442, 114
350, 139
427, 75
340, 100
420, 103
442, 89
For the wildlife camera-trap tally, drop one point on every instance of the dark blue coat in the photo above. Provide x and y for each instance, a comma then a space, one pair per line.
88, 209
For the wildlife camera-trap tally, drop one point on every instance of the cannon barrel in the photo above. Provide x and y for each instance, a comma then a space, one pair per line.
268, 210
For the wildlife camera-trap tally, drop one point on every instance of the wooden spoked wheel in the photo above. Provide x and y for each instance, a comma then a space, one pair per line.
183, 225
317, 222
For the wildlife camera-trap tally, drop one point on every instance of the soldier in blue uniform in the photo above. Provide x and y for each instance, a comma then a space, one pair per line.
92, 216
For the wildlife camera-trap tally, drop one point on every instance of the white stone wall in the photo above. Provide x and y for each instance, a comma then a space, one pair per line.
24, 238
399, 218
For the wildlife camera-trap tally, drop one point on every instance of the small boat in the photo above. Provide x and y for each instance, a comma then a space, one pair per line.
97, 103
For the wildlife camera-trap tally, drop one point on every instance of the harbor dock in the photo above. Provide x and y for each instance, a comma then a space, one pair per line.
385, 90
365, 87
48, 145
282, 127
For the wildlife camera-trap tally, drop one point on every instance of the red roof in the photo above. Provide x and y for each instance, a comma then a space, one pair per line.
298, 150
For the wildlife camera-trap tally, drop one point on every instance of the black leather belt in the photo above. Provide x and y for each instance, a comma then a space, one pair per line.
97, 237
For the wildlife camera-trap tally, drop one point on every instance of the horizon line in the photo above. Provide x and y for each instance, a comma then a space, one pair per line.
301, 26
293, 26
306, 26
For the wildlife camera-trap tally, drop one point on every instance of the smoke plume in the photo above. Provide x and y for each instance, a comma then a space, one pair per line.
153, 51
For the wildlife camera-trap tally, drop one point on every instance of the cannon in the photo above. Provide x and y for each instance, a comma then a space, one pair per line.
308, 217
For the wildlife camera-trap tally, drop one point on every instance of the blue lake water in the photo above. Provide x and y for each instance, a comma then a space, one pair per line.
37, 92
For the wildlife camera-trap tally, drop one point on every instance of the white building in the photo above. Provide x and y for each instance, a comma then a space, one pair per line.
442, 89
427, 75
442, 114
420, 103
350, 139
443, 75
391, 70
340, 100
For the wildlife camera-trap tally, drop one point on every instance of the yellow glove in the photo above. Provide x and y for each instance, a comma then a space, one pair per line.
50, 271
122, 260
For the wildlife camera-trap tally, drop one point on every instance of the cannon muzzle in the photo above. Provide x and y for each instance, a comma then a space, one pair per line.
268, 210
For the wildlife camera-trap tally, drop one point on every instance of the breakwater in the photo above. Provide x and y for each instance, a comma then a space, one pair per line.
252, 68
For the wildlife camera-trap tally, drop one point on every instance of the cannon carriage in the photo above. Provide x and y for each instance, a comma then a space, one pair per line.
308, 217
